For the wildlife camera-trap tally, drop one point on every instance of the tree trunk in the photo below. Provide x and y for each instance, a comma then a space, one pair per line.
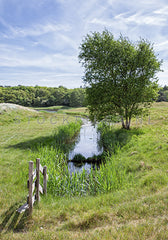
126, 124
122, 121
129, 122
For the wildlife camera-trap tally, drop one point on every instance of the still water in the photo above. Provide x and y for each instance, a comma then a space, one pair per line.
87, 145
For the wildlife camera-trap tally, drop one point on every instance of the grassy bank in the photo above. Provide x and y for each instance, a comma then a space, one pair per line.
80, 111
138, 211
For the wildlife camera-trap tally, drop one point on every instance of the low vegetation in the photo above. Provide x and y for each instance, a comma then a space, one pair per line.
128, 201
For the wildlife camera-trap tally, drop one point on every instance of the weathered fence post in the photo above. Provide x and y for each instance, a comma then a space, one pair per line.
37, 179
45, 180
30, 200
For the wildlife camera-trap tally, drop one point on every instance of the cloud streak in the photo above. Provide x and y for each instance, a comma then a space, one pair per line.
143, 19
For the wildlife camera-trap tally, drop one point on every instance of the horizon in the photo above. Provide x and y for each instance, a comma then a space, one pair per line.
160, 86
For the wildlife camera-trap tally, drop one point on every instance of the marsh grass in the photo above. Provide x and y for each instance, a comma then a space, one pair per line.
111, 175
95, 159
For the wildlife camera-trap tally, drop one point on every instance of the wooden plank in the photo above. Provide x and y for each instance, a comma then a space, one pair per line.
34, 175
41, 189
34, 198
37, 179
45, 180
33, 187
26, 205
41, 169
30, 202
23, 208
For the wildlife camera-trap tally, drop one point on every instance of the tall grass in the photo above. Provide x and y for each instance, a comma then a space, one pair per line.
111, 175
113, 138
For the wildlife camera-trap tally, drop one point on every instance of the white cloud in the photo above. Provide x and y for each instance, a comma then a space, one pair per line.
66, 40
162, 11
142, 4
162, 46
141, 18
101, 22
48, 61
49, 79
37, 30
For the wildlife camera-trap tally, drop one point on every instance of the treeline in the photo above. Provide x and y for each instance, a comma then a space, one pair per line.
42, 96
52, 96
163, 94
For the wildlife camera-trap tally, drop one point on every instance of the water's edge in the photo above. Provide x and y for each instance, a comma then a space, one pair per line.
87, 151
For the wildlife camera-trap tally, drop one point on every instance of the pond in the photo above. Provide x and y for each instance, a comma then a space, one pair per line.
87, 145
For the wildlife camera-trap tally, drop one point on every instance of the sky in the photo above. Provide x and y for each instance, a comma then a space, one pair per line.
40, 39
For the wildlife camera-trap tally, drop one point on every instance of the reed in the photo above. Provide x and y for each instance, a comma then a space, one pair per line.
110, 176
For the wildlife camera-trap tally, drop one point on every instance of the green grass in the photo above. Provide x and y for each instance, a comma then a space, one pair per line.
137, 211
17, 116
79, 111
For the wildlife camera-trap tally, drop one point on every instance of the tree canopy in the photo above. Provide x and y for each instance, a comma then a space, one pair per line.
163, 94
43, 96
120, 75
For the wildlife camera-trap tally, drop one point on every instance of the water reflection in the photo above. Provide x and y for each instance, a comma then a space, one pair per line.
74, 167
86, 145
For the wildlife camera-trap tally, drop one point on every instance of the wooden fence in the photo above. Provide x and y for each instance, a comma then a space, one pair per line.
34, 186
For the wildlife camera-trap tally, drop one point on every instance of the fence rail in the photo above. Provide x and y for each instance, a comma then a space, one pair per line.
34, 186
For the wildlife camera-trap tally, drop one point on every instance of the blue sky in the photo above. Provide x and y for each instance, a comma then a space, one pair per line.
39, 39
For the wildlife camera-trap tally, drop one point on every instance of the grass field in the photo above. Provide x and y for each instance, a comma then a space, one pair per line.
82, 111
139, 211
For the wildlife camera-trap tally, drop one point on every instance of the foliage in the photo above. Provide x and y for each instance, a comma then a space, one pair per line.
43, 96
77, 97
79, 158
163, 94
120, 75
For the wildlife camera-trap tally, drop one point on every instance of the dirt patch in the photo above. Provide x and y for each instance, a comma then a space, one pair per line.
6, 107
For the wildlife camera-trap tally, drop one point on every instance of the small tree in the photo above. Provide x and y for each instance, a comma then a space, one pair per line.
120, 76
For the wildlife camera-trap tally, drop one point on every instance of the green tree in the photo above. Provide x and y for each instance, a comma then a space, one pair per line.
77, 97
163, 94
120, 76
1, 95
59, 94
51, 100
